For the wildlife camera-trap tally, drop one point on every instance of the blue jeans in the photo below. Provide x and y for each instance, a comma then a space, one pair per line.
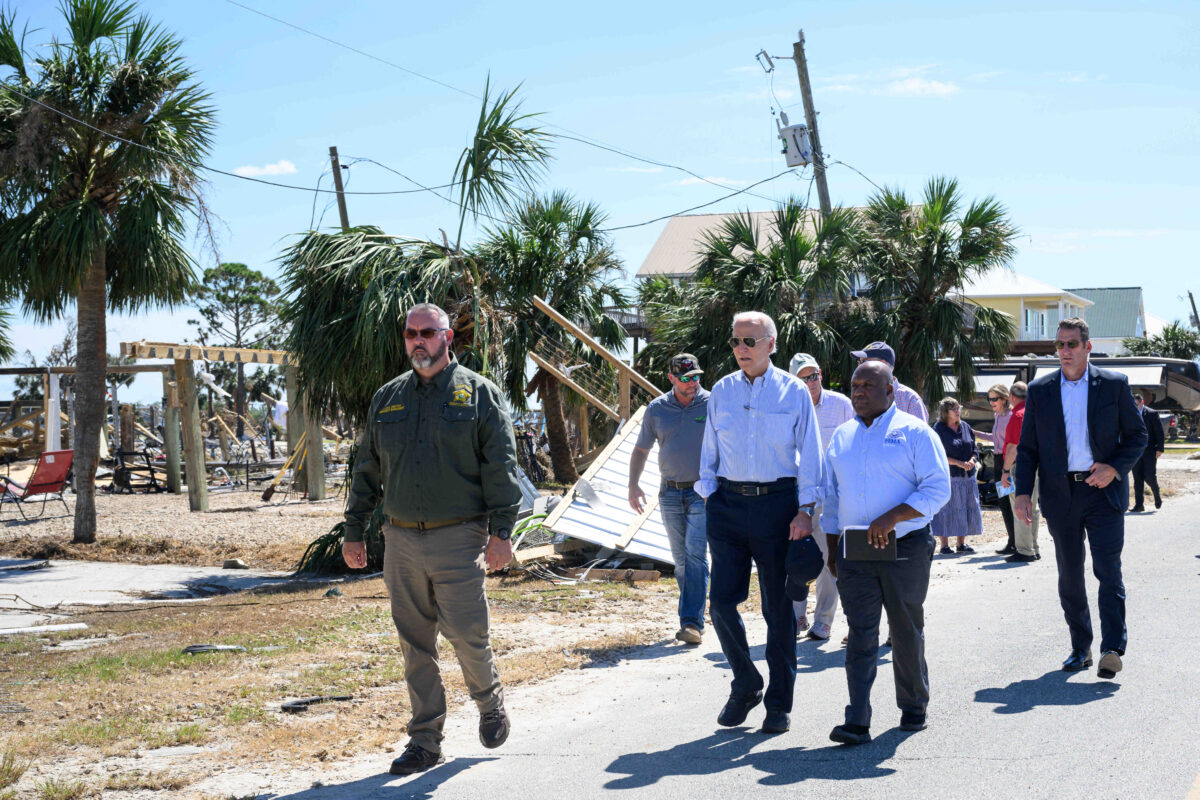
683, 515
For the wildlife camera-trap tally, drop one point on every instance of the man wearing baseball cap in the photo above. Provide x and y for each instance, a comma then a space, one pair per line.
676, 422
907, 400
832, 409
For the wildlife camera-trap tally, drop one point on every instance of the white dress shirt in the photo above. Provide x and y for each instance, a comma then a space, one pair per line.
760, 432
832, 410
1075, 402
871, 470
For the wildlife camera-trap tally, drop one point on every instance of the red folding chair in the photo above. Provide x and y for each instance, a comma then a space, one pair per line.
49, 478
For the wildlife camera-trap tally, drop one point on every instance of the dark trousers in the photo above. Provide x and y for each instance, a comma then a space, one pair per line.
900, 586
741, 530
1005, 504
1090, 515
1145, 471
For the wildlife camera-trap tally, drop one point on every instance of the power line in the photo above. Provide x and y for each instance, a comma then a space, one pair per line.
695, 208
197, 164
576, 136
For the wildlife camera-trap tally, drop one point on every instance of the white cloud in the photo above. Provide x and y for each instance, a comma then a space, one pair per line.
281, 167
705, 181
647, 170
919, 87
843, 87
1060, 242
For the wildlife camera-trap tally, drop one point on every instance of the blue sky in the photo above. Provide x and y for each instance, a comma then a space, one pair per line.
1082, 118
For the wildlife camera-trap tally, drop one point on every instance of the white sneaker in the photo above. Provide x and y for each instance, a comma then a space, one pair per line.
819, 630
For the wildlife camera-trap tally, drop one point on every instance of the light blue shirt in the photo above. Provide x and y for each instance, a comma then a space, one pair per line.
760, 432
871, 470
1074, 402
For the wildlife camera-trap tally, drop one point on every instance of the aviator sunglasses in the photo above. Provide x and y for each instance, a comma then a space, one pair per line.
749, 341
424, 333
1069, 344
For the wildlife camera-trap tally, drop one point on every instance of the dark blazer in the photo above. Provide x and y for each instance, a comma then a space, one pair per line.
1154, 428
1115, 428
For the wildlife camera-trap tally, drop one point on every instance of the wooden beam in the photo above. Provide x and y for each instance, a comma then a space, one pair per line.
171, 432
566, 380
624, 395
112, 368
195, 352
295, 427
26, 421
193, 443
598, 348
609, 449
631, 531
314, 457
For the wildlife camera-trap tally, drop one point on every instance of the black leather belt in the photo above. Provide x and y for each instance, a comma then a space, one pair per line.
680, 484
756, 489
1078, 477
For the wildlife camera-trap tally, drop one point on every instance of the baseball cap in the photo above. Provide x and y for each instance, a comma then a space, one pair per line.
685, 364
880, 350
803, 564
802, 361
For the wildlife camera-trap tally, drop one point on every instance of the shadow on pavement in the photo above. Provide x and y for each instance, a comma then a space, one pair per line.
1008, 565
391, 787
733, 749
603, 657
1052, 689
810, 659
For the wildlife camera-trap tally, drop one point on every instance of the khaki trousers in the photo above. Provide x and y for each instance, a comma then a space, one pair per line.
1025, 536
435, 581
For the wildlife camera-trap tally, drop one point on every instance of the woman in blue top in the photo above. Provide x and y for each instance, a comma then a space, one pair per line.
961, 516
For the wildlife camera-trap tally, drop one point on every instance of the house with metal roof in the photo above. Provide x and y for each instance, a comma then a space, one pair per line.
1034, 306
1117, 313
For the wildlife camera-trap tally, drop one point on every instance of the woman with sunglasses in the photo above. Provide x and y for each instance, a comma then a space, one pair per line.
998, 399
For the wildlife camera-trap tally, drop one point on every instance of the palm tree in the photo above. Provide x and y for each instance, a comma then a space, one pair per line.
551, 248
99, 152
7, 350
1175, 341
796, 268
345, 293
916, 259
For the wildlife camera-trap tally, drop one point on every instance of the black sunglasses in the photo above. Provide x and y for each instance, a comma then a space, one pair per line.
749, 341
423, 333
992, 399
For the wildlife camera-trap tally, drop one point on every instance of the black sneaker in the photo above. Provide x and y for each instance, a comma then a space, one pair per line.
736, 708
850, 734
493, 728
965, 549
912, 722
415, 759
1008, 549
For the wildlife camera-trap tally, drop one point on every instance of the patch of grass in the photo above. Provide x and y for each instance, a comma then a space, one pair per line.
244, 713
192, 733
8, 794
55, 789
104, 732
12, 767
153, 781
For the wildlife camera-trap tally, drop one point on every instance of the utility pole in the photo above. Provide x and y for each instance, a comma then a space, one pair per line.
810, 118
337, 184
1195, 316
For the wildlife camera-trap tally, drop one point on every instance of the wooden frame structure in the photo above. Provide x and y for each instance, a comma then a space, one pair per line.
187, 410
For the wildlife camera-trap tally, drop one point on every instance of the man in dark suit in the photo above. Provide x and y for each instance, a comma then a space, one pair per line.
1145, 469
1081, 435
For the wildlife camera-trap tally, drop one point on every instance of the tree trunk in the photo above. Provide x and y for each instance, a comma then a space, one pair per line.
556, 433
91, 363
239, 400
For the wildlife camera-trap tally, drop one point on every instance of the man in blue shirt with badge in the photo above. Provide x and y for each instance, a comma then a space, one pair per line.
676, 421
886, 475
760, 472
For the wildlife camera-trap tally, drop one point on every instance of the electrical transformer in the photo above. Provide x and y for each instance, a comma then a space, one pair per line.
797, 150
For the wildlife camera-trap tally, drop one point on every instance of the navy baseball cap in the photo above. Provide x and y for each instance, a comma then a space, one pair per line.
881, 350
803, 564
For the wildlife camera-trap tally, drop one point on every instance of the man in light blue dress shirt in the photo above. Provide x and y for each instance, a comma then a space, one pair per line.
760, 473
885, 471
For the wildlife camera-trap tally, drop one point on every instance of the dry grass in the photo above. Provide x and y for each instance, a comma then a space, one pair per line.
156, 550
137, 691
12, 767
54, 789
152, 781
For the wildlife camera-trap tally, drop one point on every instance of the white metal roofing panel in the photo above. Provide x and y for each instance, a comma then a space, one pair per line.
983, 382
1139, 375
609, 478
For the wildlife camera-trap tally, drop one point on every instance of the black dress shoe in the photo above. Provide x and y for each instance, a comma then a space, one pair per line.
912, 722
850, 734
1158, 502
1021, 558
777, 722
1137, 509
735, 710
493, 728
415, 759
1006, 550
1078, 660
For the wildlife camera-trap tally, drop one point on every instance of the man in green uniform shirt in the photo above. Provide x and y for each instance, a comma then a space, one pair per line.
440, 455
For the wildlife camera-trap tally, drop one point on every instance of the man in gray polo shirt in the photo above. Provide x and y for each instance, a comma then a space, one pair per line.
676, 421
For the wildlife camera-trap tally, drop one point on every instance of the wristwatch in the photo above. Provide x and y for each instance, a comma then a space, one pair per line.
503, 534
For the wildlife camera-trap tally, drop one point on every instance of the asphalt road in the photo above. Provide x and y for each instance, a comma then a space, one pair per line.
1004, 720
